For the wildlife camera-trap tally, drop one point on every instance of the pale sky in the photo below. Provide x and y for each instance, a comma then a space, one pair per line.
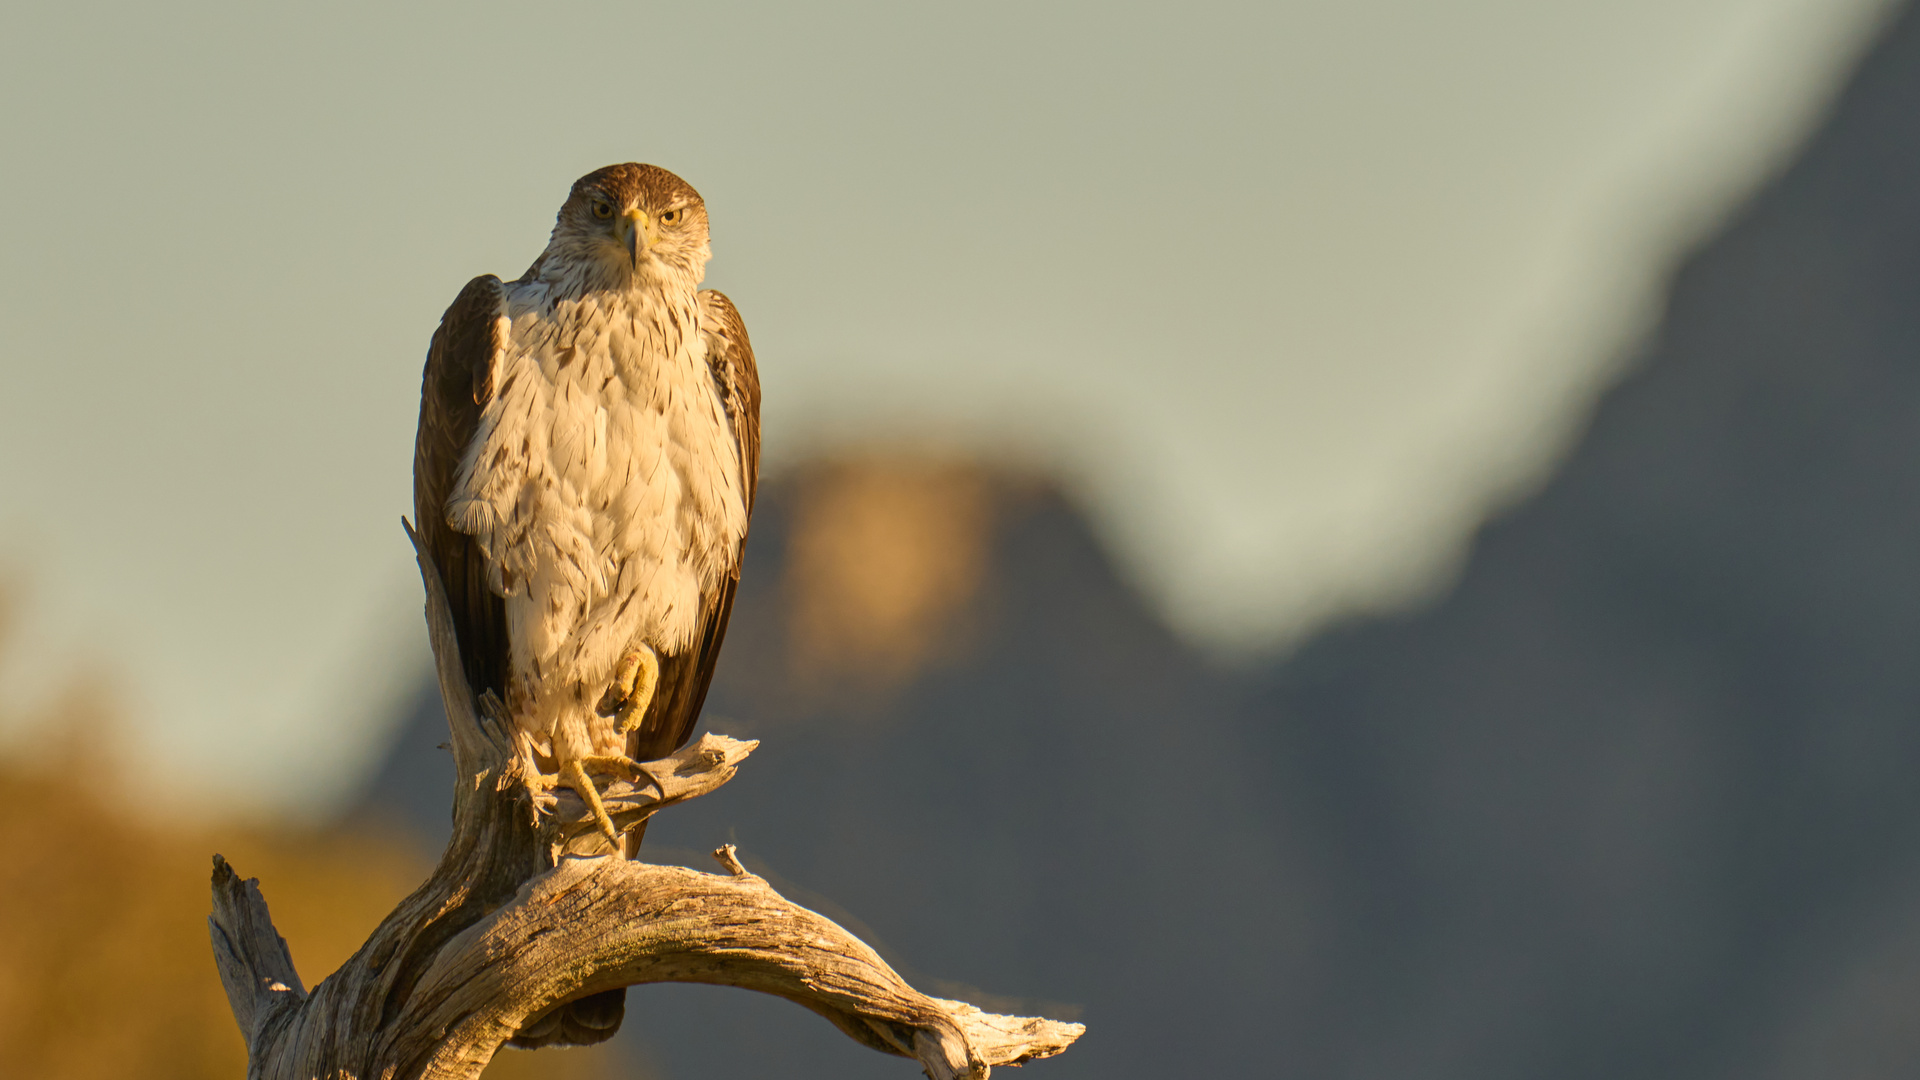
1291, 293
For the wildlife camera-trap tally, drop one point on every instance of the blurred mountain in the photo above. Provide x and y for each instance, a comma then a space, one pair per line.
1636, 798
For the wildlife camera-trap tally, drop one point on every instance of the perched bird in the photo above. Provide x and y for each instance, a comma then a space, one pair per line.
584, 471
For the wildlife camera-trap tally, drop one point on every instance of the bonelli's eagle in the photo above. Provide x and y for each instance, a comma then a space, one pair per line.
583, 474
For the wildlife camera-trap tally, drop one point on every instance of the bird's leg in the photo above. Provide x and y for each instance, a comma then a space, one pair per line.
572, 752
636, 678
622, 764
574, 775
539, 784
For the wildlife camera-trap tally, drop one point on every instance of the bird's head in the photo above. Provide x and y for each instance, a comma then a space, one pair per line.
634, 225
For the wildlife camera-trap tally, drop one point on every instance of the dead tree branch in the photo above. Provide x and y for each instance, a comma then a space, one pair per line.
527, 911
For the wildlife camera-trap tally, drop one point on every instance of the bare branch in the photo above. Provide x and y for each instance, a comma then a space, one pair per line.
254, 964
631, 922
728, 856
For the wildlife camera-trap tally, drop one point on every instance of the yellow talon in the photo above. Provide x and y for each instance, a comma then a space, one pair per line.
575, 777
636, 679
626, 766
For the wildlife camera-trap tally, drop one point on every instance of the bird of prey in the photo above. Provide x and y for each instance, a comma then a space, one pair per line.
584, 470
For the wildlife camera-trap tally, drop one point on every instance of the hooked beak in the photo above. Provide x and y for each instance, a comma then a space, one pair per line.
636, 232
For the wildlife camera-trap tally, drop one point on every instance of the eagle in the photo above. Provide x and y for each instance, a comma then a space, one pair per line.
584, 473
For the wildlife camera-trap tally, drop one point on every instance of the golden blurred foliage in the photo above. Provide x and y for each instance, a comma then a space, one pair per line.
105, 967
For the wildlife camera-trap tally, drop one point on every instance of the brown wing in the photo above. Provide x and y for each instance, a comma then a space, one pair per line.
684, 677
457, 384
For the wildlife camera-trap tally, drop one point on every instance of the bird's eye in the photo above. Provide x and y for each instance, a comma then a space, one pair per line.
669, 217
602, 209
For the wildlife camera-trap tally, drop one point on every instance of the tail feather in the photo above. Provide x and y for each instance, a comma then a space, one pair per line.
581, 1022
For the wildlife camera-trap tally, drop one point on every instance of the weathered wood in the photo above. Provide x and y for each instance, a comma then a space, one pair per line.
527, 910
254, 964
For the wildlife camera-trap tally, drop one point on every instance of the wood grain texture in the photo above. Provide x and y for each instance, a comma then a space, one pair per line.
527, 911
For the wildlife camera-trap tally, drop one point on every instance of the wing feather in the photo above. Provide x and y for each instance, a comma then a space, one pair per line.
454, 388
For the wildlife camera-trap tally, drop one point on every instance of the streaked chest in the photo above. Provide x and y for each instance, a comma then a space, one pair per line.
622, 415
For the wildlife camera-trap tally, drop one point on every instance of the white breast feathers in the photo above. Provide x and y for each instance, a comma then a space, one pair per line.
604, 486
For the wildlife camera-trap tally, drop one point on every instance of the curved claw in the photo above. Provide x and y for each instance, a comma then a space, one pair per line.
626, 766
575, 776
634, 682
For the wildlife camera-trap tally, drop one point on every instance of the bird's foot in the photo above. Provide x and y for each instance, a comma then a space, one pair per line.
575, 776
634, 682
625, 766
540, 785
540, 793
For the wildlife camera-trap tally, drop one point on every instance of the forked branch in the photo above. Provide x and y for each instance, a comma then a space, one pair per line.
527, 912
